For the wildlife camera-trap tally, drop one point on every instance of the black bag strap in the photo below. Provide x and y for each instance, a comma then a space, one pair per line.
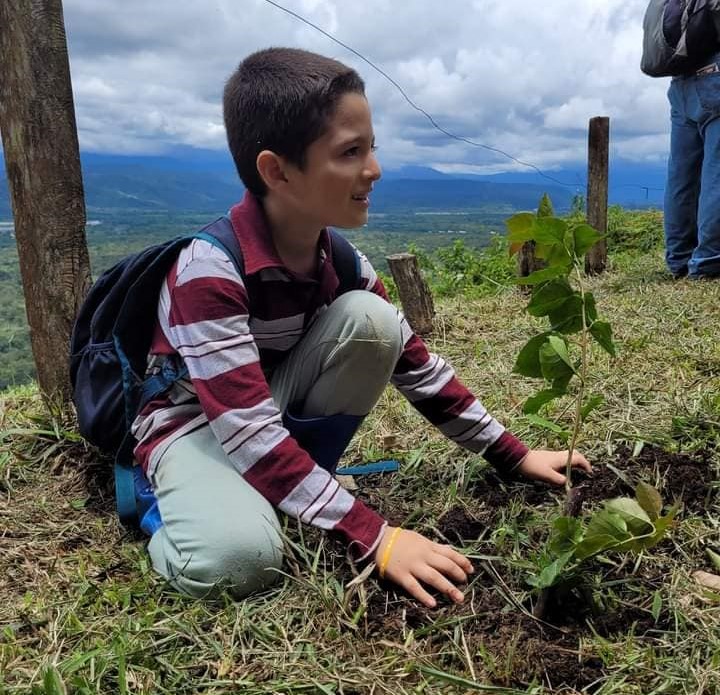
221, 233
344, 257
345, 261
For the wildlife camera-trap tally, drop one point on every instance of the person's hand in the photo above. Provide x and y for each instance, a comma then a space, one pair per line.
549, 466
414, 560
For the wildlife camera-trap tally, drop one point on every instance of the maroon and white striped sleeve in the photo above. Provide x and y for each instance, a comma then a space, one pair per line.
205, 319
430, 384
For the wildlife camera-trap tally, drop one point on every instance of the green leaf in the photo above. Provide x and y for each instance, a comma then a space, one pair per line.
661, 526
560, 347
533, 404
549, 231
541, 276
584, 238
566, 534
555, 255
528, 359
547, 297
636, 518
52, 682
656, 605
561, 383
520, 227
601, 331
714, 558
567, 317
605, 530
546, 424
550, 573
649, 499
554, 361
595, 401
590, 308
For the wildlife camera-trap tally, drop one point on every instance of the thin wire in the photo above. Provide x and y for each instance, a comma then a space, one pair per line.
434, 123
414, 105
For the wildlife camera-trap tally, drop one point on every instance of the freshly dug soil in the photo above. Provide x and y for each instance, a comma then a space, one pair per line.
687, 477
522, 649
525, 649
458, 526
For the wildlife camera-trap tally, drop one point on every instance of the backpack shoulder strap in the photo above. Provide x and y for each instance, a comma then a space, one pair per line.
220, 233
345, 261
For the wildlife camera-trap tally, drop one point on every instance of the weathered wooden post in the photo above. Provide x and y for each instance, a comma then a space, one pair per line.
42, 160
415, 296
528, 262
597, 190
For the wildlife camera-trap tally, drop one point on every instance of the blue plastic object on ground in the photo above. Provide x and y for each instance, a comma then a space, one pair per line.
384, 466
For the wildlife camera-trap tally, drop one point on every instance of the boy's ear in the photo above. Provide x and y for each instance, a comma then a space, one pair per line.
271, 168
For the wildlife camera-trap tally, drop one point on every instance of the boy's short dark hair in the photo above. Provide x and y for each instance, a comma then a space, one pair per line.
280, 99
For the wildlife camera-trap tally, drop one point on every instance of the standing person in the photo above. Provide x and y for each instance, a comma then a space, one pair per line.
682, 40
282, 366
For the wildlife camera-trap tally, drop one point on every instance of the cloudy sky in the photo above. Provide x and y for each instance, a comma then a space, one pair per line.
523, 77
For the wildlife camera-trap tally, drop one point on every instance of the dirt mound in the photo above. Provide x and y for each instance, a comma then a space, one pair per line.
686, 477
515, 649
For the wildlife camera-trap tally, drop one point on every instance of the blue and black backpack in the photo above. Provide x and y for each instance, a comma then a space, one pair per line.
679, 36
109, 346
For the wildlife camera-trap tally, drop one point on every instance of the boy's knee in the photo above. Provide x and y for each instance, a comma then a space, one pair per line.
238, 558
373, 320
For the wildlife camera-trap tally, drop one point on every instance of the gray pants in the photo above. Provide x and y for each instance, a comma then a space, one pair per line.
218, 532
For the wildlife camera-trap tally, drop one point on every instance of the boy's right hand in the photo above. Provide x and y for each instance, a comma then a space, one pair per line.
414, 559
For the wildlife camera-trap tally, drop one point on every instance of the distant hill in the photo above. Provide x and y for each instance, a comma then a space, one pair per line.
448, 194
208, 182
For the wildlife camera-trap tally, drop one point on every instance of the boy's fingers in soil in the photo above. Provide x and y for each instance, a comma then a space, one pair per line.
555, 478
579, 461
456, 557
449, 567
432, 577
414, 588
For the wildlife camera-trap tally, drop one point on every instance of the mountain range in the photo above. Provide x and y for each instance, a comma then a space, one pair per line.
206, 181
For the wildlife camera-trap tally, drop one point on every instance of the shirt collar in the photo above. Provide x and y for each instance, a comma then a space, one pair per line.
253, 232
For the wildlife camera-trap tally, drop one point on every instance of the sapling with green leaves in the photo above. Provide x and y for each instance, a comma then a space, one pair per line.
561, 355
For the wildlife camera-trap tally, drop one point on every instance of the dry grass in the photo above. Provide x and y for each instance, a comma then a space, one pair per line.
81, 611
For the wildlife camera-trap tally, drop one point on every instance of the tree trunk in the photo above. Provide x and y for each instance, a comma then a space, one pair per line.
42, 159
527, 261
415, 296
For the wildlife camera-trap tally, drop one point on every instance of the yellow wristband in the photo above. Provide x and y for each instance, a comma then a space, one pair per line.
386, 554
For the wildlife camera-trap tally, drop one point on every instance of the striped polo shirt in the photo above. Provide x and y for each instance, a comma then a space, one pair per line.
232, 331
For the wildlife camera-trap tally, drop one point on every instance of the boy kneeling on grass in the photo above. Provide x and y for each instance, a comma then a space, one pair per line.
282, 367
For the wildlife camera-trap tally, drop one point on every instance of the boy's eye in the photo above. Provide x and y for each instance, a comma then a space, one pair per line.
355, 151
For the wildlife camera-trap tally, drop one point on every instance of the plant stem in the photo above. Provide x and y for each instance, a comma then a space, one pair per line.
581, 389
573, 497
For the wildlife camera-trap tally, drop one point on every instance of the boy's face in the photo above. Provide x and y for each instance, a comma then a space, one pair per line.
340, 169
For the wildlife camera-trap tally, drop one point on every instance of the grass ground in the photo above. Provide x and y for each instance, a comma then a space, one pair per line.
82, 612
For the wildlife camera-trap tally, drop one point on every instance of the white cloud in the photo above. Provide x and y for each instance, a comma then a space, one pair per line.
522, 77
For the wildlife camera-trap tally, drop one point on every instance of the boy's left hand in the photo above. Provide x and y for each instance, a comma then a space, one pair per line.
546, 466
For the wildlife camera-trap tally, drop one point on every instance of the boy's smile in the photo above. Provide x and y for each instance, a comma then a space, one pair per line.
333, 187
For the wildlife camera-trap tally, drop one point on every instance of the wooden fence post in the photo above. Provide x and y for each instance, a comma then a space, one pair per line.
415, 296
42, 159
597, 190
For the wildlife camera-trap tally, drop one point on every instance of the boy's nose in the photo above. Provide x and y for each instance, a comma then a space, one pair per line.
372, 168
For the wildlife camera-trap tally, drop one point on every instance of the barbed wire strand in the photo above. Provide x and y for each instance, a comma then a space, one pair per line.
430, 118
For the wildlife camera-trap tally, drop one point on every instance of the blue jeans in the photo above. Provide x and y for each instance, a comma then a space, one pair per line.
692, 194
